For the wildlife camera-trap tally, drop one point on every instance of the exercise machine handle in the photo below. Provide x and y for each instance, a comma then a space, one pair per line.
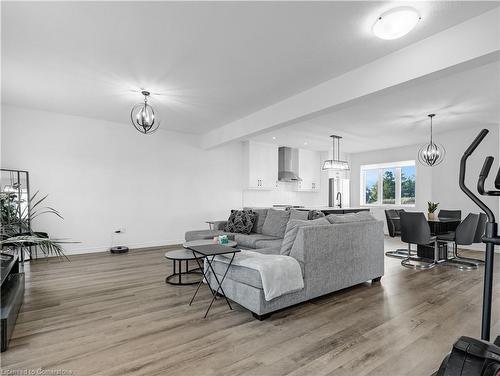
488, 162
463, 166
497, 179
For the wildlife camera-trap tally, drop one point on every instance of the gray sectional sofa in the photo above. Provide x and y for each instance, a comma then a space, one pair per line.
334, 253
267, 232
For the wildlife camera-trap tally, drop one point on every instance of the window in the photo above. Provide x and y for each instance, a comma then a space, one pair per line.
388, 184
408, 185
371, 185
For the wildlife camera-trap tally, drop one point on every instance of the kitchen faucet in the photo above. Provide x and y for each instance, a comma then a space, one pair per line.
339, 199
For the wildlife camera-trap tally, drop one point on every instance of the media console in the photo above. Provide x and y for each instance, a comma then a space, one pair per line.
12, 295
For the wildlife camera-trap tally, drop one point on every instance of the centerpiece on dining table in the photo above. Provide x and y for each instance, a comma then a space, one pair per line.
431, 209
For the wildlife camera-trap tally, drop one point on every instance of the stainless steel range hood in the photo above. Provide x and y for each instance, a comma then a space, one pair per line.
288, 160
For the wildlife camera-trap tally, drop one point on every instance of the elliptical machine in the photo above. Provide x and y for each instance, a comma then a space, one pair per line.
469, 356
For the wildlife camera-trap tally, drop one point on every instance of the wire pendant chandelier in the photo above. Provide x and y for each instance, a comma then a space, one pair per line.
143, 116
431, 154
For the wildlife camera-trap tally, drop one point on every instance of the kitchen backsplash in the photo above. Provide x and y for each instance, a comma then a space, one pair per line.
285, 194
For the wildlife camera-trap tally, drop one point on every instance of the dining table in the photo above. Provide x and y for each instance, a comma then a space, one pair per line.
438, 226
443, 225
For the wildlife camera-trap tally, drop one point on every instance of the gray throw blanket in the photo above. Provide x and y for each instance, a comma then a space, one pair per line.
280, 274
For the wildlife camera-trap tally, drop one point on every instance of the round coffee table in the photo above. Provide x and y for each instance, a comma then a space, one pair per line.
178, 256
230, 243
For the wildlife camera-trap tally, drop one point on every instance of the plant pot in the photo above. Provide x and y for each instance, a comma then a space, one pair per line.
431, 215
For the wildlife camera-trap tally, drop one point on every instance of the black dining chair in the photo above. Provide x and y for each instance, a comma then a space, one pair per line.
443, 213
394, 230
478, 238
463, 235
455, 214
416, 230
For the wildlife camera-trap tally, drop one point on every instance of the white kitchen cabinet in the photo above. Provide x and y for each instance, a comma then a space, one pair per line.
260, 165
309, 171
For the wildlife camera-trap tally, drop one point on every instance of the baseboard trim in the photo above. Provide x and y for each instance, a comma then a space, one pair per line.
84, 250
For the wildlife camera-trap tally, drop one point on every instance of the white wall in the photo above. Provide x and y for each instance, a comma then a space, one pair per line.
440, 183
104, 175
445, 189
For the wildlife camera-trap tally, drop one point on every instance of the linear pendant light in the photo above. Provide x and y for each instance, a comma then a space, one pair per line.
335, 163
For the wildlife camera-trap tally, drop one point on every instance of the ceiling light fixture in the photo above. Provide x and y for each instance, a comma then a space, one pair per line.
335, 163
432, 153
396, 23
143, 116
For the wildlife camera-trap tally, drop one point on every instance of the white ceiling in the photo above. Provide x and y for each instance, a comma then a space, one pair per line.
213, 62
399, 117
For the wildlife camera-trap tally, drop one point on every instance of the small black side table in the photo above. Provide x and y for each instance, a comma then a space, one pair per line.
208, 252
178, 256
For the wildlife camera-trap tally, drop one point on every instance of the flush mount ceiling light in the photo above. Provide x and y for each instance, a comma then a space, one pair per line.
396, 23
143, 116
335, 163
432, 153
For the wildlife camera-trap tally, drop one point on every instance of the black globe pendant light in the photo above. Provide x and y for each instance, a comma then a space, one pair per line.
143, 116
431, 154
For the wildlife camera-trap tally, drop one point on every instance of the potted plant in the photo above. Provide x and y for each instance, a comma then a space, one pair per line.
16, 230
431, 209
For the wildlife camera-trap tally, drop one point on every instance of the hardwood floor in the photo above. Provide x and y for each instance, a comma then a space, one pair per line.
104, 314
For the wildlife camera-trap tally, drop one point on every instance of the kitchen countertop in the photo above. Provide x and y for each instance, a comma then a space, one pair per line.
332, 208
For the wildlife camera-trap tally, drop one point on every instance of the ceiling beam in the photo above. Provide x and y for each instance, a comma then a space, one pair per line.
475, 40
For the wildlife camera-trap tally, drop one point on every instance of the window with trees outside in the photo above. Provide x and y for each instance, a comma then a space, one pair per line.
388, 184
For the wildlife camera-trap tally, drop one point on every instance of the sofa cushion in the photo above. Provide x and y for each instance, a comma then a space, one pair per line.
268, 243
260, 217
362, 216
240, 221
299, 214
275, 223
201, 234
250, 240
238, 273
315, 214
206, 234
291, 232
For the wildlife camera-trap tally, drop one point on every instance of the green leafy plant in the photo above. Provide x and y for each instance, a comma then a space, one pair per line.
16, 217
50, 247
432, 206
17, 220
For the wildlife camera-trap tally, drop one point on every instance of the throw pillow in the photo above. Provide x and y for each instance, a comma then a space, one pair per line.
314, 214
275, 223
350, 217
292, 228
240, 221
260, 217
299, 214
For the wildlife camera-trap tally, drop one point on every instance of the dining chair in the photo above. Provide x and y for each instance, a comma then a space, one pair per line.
416, 230
478, 236
394, 230
463, 235
455, 214
443, 213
